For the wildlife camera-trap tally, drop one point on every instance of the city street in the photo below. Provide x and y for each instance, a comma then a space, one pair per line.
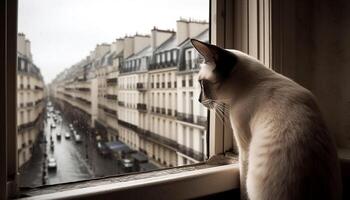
75, 161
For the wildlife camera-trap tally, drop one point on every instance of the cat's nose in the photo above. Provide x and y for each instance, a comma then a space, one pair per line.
200, 97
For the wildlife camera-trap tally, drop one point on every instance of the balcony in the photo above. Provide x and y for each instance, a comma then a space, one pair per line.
111, 112
31, 124
111, 97
83, 100
82, 89
121, 103
202, 121
163, 111
141, 107
30, 104
164, 141
141, 87
38, 88
112, 81
169, 112
185, 117
38, 101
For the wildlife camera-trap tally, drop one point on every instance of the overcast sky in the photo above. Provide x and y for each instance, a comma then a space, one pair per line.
62, 32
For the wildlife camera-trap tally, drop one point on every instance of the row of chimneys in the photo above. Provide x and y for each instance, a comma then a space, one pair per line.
23, 45
131, 45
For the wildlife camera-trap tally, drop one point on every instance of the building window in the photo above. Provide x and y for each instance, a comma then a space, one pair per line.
105, 93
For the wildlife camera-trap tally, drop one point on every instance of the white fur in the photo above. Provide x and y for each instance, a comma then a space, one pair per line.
281, 136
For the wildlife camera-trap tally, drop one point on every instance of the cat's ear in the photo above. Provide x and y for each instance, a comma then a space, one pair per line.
224, 60
205, 49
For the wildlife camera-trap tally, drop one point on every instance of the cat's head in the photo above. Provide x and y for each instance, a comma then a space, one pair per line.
215, 73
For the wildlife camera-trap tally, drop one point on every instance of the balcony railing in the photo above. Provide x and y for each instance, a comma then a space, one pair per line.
111, 97
185, 117
31, 124
38, 101
164, 141
38, 88
83, 100
141, 107
121, 103
163, 111
112, 81
82, 89
141, 86
190, 118
111, 112
30, 104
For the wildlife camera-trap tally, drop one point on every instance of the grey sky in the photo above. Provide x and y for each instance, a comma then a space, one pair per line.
62, 32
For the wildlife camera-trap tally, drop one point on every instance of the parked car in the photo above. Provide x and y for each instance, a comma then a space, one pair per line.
53, 125
67, 136
77, 138
127, 164
58, 135
52, 164
52, 146
102, 148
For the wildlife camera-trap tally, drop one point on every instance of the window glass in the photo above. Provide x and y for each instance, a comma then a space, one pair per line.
87, 108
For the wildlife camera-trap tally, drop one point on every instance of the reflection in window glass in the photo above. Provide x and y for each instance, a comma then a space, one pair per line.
95, 99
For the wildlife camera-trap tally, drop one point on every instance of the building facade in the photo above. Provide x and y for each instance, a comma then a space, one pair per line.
146, 93
30, 100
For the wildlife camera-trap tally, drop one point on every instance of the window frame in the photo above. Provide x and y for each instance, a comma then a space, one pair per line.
217, 142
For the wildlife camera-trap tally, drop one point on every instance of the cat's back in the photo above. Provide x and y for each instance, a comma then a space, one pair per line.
291, 150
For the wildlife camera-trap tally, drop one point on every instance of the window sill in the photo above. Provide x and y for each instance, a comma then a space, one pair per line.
175, 183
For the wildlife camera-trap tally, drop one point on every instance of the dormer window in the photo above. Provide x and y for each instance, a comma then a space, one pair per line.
169, 56
163, 57
158, 58
174, 55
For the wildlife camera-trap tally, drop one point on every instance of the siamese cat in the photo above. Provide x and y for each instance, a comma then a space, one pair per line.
285, 149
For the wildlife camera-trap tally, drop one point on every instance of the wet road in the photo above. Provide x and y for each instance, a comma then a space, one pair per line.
75, 161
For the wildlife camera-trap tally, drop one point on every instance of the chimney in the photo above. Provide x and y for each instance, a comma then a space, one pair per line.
100, 50
28, 51
128, 46
119, 45
23, 46
189, 28
141, 42
158, 37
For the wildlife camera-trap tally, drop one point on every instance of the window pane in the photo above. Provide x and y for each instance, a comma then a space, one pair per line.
88, 112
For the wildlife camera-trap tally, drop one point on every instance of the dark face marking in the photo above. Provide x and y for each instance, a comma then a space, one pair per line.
224, 62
